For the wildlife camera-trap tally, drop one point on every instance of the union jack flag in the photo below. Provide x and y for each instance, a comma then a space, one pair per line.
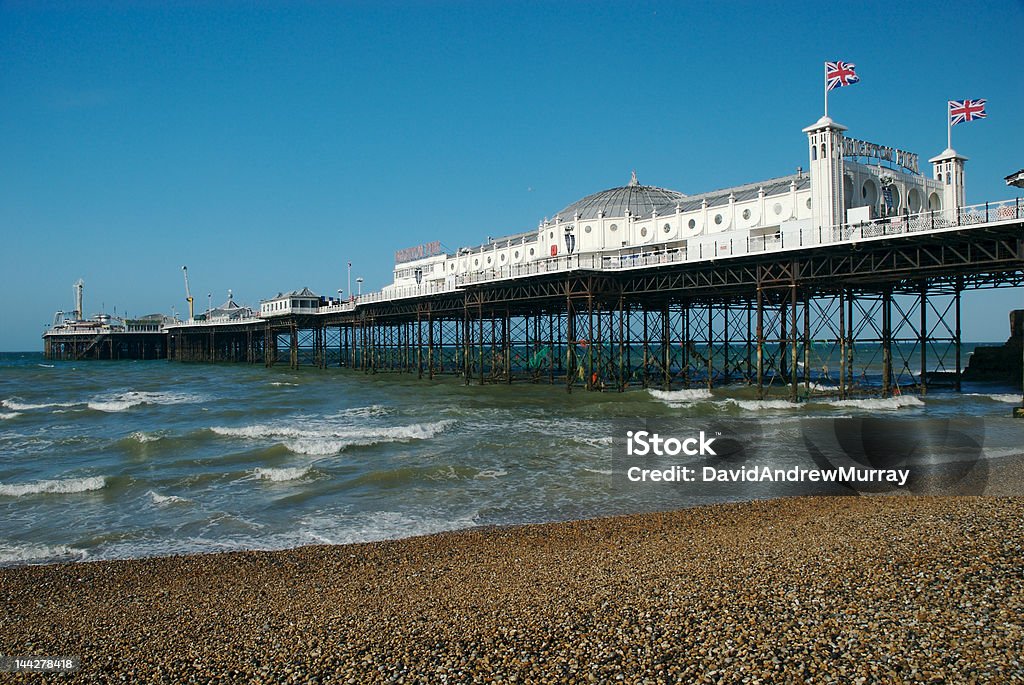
839, 74
965, 110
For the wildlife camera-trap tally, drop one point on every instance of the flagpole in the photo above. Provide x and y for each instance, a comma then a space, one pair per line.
825, 83
949, 129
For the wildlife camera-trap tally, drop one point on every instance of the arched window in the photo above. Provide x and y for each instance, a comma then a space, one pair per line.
814, 152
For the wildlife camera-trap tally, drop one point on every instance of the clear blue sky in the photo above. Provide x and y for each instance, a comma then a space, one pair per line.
267, 144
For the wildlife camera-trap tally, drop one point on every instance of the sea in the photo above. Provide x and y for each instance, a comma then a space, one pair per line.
128, 459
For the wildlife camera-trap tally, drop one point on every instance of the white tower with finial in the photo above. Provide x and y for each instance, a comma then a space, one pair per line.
825, 152
948, 169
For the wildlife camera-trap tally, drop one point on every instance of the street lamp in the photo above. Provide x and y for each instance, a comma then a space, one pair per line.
350, 276
340, 291
359, 282
209, 304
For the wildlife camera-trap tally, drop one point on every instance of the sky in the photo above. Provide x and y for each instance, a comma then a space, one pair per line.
266, 145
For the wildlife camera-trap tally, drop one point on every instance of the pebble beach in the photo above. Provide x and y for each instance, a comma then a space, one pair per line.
843, 589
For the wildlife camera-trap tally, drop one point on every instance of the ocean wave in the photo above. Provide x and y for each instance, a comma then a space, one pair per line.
163, 500
281, 474
127, 400
280, 383
143, 437
58, 486
595, 442
761, 405
343, 529
15, 405
324, 441
878, 402
30, 552
996, 397
8, 415
492, 473
684, 396
365, 412
603, 472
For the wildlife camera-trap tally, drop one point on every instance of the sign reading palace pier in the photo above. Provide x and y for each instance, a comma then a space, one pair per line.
859, 148
410, 254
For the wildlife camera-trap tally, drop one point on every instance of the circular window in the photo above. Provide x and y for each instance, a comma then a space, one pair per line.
667, 228
586, 229
778, 208
643, 231
692, 223
453, 268
551, 235
502, 257
746, 213
489, 260
476, 262
517, 254
532, 252
613, 227
718, 218
808, 203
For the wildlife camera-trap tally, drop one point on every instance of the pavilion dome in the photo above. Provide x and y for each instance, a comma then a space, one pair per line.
640, 200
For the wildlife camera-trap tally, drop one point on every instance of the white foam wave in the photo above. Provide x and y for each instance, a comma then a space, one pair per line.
365, 412
879, 402
143, 437
58, 486
761, 405
28, 553
595, 442
371, 526
280, 383
282, 474
323, 440
603, 472
112, 406
996, 397
15, 405
492, 473
165, 499
127, 400
684, 396
316, 447
8, 415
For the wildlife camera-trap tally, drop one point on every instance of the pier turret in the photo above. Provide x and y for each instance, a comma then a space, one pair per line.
825, 152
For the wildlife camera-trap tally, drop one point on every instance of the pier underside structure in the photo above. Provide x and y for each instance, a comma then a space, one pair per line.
105, 345
846, 319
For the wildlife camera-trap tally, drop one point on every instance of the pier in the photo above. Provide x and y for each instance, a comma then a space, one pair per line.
843, 281
790, 321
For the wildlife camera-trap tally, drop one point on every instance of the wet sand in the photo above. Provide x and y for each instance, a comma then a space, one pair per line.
885, 589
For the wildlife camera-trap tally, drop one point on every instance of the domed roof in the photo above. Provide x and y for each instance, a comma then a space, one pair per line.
639, 200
